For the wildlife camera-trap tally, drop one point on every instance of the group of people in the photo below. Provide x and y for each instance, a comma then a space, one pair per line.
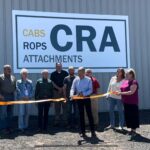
63, 84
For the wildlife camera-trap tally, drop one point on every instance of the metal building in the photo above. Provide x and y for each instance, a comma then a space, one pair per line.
139, 34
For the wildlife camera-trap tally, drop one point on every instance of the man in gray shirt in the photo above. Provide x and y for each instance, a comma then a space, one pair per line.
7, 90
82, 86
72, 118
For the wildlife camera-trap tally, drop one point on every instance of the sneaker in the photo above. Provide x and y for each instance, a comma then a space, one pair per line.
109, 127
133, 135
120, 128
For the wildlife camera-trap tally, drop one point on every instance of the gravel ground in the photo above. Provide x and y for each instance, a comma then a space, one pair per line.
64, 139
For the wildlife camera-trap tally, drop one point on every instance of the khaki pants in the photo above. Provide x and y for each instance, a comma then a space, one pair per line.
94, 107
58, 106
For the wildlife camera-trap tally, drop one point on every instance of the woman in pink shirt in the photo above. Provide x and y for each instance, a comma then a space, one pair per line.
129, 93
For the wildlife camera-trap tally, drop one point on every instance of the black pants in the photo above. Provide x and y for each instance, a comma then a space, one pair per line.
87, 104
131, 116
43, 109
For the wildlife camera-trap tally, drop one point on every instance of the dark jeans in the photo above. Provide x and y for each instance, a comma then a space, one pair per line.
43, 109
87, 104
72, 116
6, 113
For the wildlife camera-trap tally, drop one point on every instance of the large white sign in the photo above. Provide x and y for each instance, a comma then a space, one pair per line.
40, 39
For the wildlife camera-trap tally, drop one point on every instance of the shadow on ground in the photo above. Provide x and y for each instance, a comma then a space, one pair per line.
104, 122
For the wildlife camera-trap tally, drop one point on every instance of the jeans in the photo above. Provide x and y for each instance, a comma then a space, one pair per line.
6, 113
72, 116
23, 121
112, 103
23, 117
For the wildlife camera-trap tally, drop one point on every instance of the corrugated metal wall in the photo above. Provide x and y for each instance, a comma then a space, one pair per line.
139, 23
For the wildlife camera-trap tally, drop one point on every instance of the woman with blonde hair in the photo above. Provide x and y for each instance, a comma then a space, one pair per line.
129, 93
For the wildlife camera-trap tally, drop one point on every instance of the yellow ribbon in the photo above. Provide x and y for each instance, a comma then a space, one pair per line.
2, 103
93, 96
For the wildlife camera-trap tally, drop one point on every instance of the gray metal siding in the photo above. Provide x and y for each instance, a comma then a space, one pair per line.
139, 23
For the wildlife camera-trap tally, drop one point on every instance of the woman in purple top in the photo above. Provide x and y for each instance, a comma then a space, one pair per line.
129, 93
